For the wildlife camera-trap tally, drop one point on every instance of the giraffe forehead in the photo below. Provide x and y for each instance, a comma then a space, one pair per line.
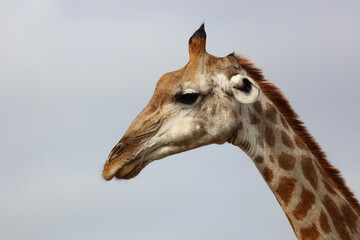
180, 80
202, 70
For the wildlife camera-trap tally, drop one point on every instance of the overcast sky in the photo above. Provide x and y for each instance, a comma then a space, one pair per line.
74, 74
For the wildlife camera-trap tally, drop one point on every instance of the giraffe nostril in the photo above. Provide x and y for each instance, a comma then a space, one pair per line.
116, 151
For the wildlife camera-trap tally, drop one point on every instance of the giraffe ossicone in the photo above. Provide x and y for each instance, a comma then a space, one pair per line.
226, 99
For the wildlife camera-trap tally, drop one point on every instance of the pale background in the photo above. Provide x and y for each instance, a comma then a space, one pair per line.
74, 74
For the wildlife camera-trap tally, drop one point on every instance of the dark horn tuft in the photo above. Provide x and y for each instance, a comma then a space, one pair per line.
231, 54
200, 33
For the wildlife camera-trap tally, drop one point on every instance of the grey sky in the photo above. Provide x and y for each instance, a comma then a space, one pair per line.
74, 74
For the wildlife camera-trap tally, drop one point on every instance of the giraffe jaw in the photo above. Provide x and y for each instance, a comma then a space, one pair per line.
127, 168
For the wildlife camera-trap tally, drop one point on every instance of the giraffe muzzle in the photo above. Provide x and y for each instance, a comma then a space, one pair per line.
122, 168
123, 161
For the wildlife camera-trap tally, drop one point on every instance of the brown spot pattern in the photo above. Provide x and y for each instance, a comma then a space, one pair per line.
307, 200
285, 189
328, 187
310, 233
309, 171
213, 109
299, 142
269, 137
233, 114
268, 174
284, 123
259, 159
286, 161
258, 107
286, 140
253, 119
350, 216
336, 217
271, 113
324, 224
272, 159
283, 106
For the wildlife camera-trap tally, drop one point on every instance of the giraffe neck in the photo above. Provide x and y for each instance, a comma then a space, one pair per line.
314, 206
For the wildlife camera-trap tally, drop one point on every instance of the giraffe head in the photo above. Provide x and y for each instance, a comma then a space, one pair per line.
197, 105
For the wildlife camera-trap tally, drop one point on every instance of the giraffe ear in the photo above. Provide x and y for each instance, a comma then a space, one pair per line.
244, 88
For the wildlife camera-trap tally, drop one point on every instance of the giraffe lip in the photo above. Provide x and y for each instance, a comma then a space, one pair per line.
127, 170
124, 171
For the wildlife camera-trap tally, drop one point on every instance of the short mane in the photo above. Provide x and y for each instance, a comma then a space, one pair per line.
283, 105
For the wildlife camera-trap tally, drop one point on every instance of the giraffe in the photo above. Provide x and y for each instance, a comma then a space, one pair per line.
227, 99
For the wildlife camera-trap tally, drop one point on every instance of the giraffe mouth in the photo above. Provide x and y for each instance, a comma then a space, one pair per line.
131, 170
124, 171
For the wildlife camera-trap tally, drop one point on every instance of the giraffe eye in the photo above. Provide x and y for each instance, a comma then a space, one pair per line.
187, 98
